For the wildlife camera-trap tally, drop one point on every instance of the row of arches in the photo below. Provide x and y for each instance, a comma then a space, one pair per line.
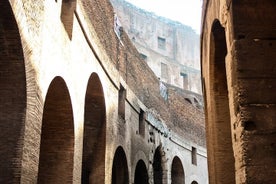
57, 135
141, 175
57, 140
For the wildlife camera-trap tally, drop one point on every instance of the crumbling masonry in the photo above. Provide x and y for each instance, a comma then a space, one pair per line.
78, 105
238, 51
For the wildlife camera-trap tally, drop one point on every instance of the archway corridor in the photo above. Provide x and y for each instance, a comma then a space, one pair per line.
177, 172
93, 157
141, 173
157, 166
219, 124
57, 136
12, 96
120, 168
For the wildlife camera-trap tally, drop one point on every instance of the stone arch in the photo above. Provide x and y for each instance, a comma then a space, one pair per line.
177, 172
12, 96
141, 173
119, 167
218, 116
57, 136
94, 137
157, 166
67, 15
194, 182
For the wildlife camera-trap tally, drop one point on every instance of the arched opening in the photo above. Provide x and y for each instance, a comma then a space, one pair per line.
67, 15
141, 174
119, 168
57, 136
157, 167
218, 115
194, 182
12, 96
177, 174
93, 158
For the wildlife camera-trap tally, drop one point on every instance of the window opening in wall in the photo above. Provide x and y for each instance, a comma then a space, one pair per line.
143, 56
121, 102
161, 43
164, 71
67, 15
194, 155
185, 81
142, 123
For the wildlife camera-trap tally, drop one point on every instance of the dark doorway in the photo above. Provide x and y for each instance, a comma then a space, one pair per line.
119, 168
93, 158
157, 167
57, 136
12, 96
141, 174
177, 174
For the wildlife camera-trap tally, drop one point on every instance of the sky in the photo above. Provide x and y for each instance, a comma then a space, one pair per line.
187, 12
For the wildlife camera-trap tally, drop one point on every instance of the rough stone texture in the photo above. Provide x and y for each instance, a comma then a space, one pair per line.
239, 84
60, 79
180, 55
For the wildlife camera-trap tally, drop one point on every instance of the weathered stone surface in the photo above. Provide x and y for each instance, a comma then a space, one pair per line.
249, 89
177, 60
62, 68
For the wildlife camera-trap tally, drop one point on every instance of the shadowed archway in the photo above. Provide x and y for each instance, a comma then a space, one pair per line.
177, 175
57, 136
218, 126
141, 173
12, 96
93, 158
120, 168
157, 167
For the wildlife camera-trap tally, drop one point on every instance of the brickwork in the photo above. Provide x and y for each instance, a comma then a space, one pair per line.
238, 68
13, 89
59, 98
164, 44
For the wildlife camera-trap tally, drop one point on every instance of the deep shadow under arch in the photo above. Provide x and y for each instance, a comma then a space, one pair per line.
120, 168
141, 173
12, 96
219, 131
157, 166
177, 175
94, 138
57, 136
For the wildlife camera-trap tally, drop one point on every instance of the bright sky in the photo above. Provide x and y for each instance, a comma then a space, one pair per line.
187, 12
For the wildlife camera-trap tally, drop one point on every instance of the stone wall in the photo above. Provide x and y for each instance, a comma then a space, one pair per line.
170, 48
238, 68
78, 105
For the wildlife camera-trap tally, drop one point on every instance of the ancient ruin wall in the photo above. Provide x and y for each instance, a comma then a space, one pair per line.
75, 66
238, 67
175, 60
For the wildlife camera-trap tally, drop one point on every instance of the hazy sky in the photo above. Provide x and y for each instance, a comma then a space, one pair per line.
187, 12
